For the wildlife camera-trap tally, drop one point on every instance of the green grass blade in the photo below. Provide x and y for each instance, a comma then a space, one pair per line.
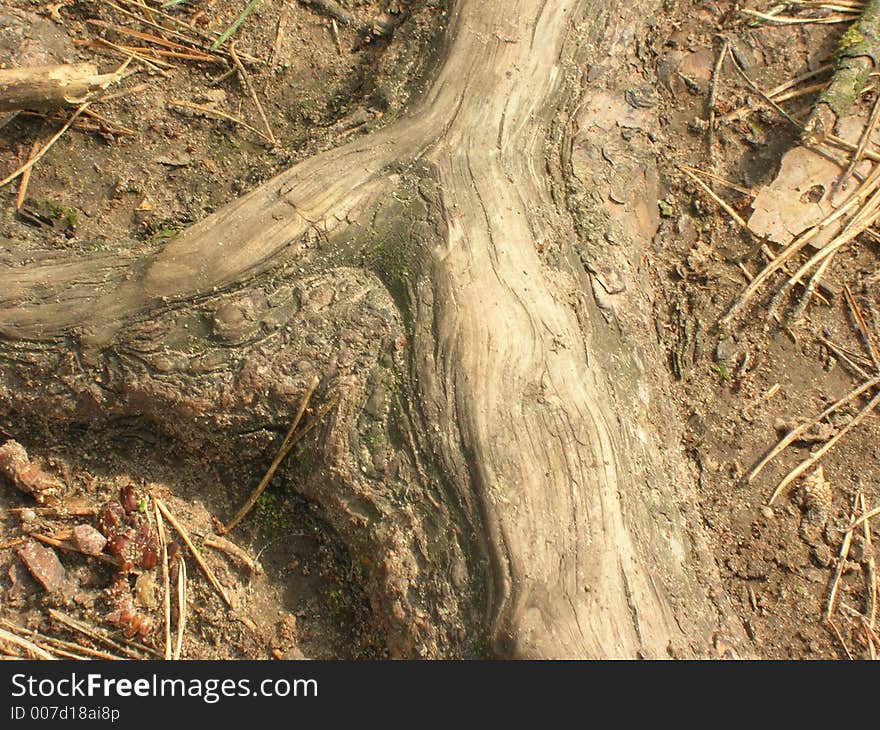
235, 25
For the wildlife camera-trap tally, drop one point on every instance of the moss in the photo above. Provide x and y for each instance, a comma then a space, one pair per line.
858, 43
374, 438
391, 255
849, 42
272, 518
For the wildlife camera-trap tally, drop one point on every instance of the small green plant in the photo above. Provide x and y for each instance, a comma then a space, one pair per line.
163, 234
667, 209
69, 216
724, 373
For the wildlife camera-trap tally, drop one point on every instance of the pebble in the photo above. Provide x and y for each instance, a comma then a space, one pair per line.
44, 565
88, 540
146, 590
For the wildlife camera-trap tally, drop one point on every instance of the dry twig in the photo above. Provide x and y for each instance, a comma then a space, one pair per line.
838, 571
246, 82
100, 636
230, 548
166, 582
29, 646
181, 608
283, 450
209, 574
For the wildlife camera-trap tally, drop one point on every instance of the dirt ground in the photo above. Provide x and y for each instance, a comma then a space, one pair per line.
149, 166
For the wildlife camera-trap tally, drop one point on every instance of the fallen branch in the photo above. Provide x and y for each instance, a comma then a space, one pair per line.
857, 55
49, 87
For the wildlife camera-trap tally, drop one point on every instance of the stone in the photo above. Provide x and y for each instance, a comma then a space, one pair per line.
88, 540
44, 566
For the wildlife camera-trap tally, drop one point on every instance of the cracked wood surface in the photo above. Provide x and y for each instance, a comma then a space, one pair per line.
522, 417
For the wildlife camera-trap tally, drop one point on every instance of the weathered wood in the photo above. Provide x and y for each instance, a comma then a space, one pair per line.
857, 56
48, 87
527, 505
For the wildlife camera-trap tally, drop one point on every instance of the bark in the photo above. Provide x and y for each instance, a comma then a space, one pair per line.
503, 452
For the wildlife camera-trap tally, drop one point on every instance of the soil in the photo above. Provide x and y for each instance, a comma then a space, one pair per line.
737, 391
740, 390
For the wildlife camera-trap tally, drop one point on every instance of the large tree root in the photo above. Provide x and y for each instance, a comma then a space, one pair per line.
492, 454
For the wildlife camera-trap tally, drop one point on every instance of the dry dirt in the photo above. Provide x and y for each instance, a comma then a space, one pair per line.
737, 391
740, 391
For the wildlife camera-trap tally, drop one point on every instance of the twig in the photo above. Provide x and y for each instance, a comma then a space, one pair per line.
784, 92
168, 31
166, 582
217, 114
869, 564
136, 89
29, 646
73, 117
181, 608
838, 571
727, 209
818, 454
37, 157
72, 649
194, 54
230, 548
99, 636
25, 177
863, 144
280, 35
803, 428
840, 639
276, 462
810, 291
58, 644
115, 126
846, 356
71, 548
334, 31
855, 60
152, 64
717, 178
862, 326
209, 574
174, 20
713, 89
792, 20
857, 198
867, 516
759, 91
862, 219
689, 171
246, 82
